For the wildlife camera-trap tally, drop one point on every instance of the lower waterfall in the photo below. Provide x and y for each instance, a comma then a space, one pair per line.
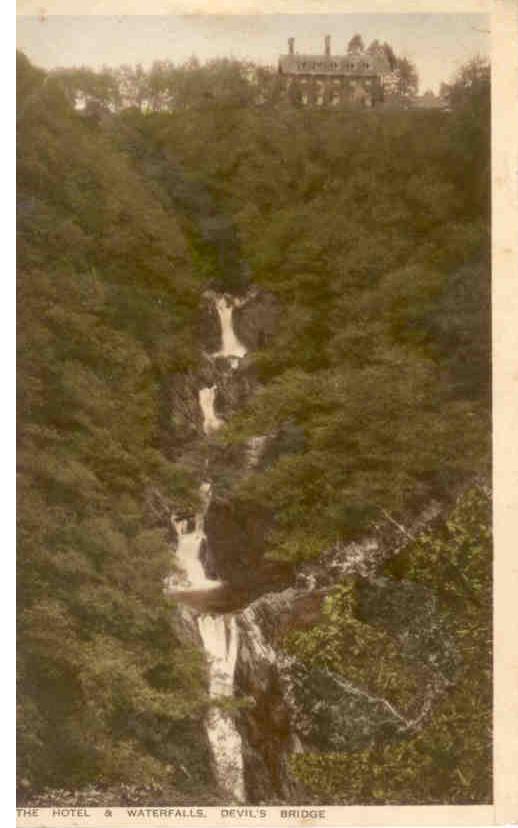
219, 634
220, 638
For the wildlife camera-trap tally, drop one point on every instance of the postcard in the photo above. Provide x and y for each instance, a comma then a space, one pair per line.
267, 268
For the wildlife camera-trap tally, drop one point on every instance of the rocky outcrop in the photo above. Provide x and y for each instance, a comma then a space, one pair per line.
233, 389
237, 533
256, 319
265, 722
209, 329
309, 706
365, 557
185, 421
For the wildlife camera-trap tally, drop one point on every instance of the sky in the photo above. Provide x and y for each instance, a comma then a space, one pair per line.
437, 43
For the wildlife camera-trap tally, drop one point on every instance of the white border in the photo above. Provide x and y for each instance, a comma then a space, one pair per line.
504, 28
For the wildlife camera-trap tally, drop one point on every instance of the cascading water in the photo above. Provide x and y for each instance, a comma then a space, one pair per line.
220, 638
211, 421
219, 632
231, 347
192, 574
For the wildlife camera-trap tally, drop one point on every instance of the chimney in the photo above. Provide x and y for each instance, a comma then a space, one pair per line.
291, 45
328, 45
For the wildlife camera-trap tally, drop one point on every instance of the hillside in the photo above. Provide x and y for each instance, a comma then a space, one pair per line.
107, 299
351, 252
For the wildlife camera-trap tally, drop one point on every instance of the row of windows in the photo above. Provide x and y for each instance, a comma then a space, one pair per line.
313, 65
338, 81
334, 100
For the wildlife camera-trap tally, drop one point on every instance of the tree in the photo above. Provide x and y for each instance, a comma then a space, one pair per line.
107, 309
390, 55
375, 47
355, 45
470, 86
85, 88
469, 97
407, 80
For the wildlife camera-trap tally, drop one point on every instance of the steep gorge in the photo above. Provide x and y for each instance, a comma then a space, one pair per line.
313, 445
243, 607
218, 631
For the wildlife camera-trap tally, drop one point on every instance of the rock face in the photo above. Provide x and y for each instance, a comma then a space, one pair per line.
265, 725
183, 409
256, 320
209, 327
233, 389
296, 706
237, 540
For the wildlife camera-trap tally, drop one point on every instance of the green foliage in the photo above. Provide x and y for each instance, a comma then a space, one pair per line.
371, 230
107, 306
448, 760
366, 656
376, 248
461, 555
365, 233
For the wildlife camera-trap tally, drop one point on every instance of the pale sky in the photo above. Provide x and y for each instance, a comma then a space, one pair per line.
437, 43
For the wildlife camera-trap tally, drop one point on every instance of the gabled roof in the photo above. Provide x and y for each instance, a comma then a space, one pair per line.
349, 64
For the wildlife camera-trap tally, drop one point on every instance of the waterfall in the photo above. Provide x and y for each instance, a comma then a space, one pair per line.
211, 421
220, 639
231, 347
192, 575
219, 633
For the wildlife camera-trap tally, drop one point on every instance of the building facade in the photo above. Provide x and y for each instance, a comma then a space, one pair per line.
351, 79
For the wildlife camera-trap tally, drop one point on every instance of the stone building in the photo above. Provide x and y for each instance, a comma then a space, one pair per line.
353, 78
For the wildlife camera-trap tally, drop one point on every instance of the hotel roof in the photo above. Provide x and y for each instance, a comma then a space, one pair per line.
332, 65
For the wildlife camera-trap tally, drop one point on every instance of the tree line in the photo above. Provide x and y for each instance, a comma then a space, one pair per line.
166, 86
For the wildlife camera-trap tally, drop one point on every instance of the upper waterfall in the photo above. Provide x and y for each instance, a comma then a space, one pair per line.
231, 346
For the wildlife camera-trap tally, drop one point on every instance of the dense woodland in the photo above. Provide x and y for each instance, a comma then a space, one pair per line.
372, 231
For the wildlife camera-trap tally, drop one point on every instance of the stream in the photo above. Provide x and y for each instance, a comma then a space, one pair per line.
218, 631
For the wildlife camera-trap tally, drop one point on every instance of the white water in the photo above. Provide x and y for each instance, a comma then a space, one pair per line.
192, 575
231, 347
220, 638
211, 421
219, 633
